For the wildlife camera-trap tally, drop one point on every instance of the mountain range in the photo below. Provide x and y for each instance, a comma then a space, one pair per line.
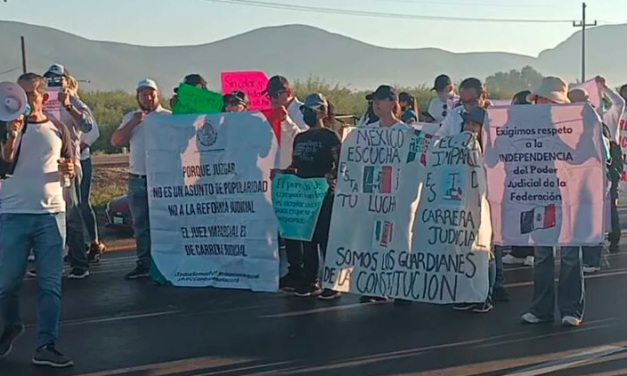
286, 50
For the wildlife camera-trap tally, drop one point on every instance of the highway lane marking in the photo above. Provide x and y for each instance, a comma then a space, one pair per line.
115, 318
569, 362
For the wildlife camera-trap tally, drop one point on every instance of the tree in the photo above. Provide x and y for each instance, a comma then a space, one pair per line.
506, 84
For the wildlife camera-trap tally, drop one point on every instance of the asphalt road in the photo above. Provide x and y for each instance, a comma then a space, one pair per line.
133, 328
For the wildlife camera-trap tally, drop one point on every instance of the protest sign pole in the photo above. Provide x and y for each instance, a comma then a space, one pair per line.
583, 26
23, 44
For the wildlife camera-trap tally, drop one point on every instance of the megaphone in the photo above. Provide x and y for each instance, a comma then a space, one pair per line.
13, 102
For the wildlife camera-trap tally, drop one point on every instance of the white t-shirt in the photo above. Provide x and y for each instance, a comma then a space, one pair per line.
439, 109
294, 112
35, 187
453, 124
137, 159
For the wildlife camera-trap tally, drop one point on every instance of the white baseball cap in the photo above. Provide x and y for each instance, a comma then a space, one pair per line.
147, 83
57, 69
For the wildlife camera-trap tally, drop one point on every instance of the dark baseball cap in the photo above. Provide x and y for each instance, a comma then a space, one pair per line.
441, 82
315, 101
236, 97
277, 84
194, 80
475, 115
383, 92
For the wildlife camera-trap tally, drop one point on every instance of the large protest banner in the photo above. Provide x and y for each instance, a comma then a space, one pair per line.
390, 236
297, 203
211, 216
546, 169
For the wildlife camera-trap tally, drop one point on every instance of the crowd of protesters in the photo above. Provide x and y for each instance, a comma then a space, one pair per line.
39, 217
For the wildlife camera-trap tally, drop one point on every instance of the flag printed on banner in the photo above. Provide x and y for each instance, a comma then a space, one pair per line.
540, 218
383, 233
378, 179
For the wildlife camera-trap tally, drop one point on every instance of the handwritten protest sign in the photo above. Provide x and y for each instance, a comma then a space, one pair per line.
53, 105
297, 203
253, 83
211, 216
193, 100
380, 191
546, 169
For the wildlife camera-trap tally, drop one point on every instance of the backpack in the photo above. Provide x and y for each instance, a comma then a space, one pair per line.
616, 164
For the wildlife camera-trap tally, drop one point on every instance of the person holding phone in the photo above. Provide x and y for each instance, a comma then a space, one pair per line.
131, 132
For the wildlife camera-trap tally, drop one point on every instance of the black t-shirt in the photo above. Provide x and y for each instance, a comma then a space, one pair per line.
313, 152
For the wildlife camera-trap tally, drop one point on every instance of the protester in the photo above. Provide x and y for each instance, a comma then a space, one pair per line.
236, 101
473, 123
316, 153
195, 80
571, 300
592, 256
32, 215
79, 119
282, 99
471, 94
440, 106
280, 92
409, 108
518, 255
131, 131
95, 248
386, 107
369, 117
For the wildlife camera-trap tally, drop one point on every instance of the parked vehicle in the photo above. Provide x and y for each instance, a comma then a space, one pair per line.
118, 213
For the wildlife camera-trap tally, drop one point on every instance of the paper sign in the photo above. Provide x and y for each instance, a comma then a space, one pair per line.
211, 217
546, 174
410, 219
52, 105
297, 203
253, 83
193, 100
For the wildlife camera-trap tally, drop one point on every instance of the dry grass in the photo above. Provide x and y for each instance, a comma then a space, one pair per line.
108, 183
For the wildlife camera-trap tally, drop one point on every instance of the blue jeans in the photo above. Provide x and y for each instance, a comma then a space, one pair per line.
491, 278
591, 256
45, 234
138, 199
75, 237
571, 292
499, 277
86, 209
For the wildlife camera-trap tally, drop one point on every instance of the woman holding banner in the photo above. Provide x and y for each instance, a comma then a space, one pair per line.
315, 155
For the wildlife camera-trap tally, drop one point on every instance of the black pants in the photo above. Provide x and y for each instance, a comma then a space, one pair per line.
615, 232
294, 253
522, 252
317, 247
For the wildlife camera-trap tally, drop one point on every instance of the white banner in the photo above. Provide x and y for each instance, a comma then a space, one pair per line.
401, 227
211, 216
546, 169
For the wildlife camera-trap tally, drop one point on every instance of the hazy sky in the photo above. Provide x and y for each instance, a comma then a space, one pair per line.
179, 22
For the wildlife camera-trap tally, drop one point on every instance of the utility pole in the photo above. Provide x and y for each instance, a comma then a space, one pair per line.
583, 26
23, 55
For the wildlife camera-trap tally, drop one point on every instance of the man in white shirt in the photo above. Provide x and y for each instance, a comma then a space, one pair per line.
471, 94
32, 216
280, 92
441, 105
131, 132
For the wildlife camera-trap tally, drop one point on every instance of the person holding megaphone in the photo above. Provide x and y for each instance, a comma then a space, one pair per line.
37, 162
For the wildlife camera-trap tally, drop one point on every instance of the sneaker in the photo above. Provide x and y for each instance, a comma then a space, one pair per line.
529, 261
402, 302
464, 306
49, 356
373, 299
31, 257
288, 283
571, 321
500, 295
591, 269
511, 260
77, 273
483, 308
9, 335
32, 273
308, 290
614, 248
329, 294
138, 272
95, 251
530, 318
